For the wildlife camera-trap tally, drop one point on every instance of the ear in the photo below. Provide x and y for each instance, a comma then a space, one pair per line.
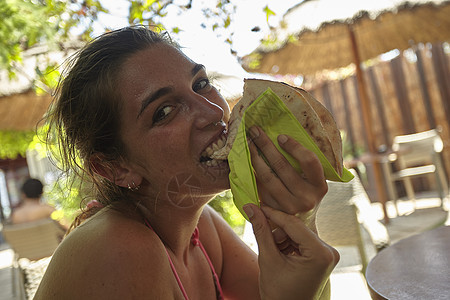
118, 172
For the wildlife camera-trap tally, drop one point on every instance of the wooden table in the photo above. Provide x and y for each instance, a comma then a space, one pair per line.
417, 267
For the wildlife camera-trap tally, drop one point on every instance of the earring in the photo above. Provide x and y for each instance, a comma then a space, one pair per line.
133, 187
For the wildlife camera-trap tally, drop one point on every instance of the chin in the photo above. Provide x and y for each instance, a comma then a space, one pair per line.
220, 185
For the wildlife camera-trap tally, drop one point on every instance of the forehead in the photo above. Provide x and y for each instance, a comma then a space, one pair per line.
157, 60
157, 66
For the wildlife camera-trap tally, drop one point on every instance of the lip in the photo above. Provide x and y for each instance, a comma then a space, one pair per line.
218, 172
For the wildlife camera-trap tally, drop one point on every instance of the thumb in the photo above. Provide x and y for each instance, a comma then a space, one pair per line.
261, 229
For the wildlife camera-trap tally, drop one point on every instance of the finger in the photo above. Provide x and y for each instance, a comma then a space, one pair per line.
266, 197
268, 182
279, 235
291, 251
265, 176
308, 160
264, 172
278, 163
294, 228
281, 197
261, 229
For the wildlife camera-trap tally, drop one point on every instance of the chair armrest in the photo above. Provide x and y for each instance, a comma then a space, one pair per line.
367, 218
378, 234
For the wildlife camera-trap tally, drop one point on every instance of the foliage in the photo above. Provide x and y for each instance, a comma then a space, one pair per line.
48, 79
218, 17
64, 192
153, 12
66, 195
223, 204
24, 23
14, 143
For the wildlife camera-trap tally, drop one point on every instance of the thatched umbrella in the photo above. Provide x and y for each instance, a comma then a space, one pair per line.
321, 34
327, 34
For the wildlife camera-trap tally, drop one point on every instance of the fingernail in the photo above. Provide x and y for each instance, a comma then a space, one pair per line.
254, 132
248, 210
282, 138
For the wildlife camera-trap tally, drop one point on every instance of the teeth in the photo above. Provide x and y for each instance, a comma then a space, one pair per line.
219, 144
212, 163
209, 151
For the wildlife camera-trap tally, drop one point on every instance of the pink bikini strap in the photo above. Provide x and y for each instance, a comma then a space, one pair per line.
183, 291
196, 242
174, 271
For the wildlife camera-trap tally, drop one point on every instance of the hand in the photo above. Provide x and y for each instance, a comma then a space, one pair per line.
280, 186
301, 274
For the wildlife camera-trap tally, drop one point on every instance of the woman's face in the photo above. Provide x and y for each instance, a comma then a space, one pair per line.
171, 116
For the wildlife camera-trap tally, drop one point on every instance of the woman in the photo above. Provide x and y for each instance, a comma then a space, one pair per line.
142, 117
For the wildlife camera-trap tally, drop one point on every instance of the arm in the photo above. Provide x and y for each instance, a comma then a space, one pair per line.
239, 270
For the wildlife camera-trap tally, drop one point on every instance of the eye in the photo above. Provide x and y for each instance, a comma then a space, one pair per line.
203, 83
162, 113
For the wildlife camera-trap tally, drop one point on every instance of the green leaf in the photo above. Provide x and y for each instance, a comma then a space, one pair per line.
268, 12
227, 22
176, 30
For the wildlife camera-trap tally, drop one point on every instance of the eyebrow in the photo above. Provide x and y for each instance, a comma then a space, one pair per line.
158, 94
165, 90
197, 68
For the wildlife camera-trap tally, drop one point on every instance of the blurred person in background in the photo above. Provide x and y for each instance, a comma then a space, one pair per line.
31, 208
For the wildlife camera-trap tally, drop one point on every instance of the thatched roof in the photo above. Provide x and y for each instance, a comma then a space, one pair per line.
20, 107
314, 35
22, 111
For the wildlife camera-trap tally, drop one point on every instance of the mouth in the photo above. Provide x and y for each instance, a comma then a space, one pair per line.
218, 143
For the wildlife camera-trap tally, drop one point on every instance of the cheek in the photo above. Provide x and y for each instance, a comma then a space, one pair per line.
166, 151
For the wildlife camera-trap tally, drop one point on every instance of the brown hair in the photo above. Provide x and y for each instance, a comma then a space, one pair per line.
32, 188
84, 117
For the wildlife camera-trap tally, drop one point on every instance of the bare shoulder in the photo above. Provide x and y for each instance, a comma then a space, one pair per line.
103, 258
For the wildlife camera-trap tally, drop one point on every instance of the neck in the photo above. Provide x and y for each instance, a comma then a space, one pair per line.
31, 200
173, 225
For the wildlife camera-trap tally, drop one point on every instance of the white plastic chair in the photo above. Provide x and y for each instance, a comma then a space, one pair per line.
32, 241
415, 155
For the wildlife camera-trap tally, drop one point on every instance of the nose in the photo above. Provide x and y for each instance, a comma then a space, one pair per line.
205, 112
